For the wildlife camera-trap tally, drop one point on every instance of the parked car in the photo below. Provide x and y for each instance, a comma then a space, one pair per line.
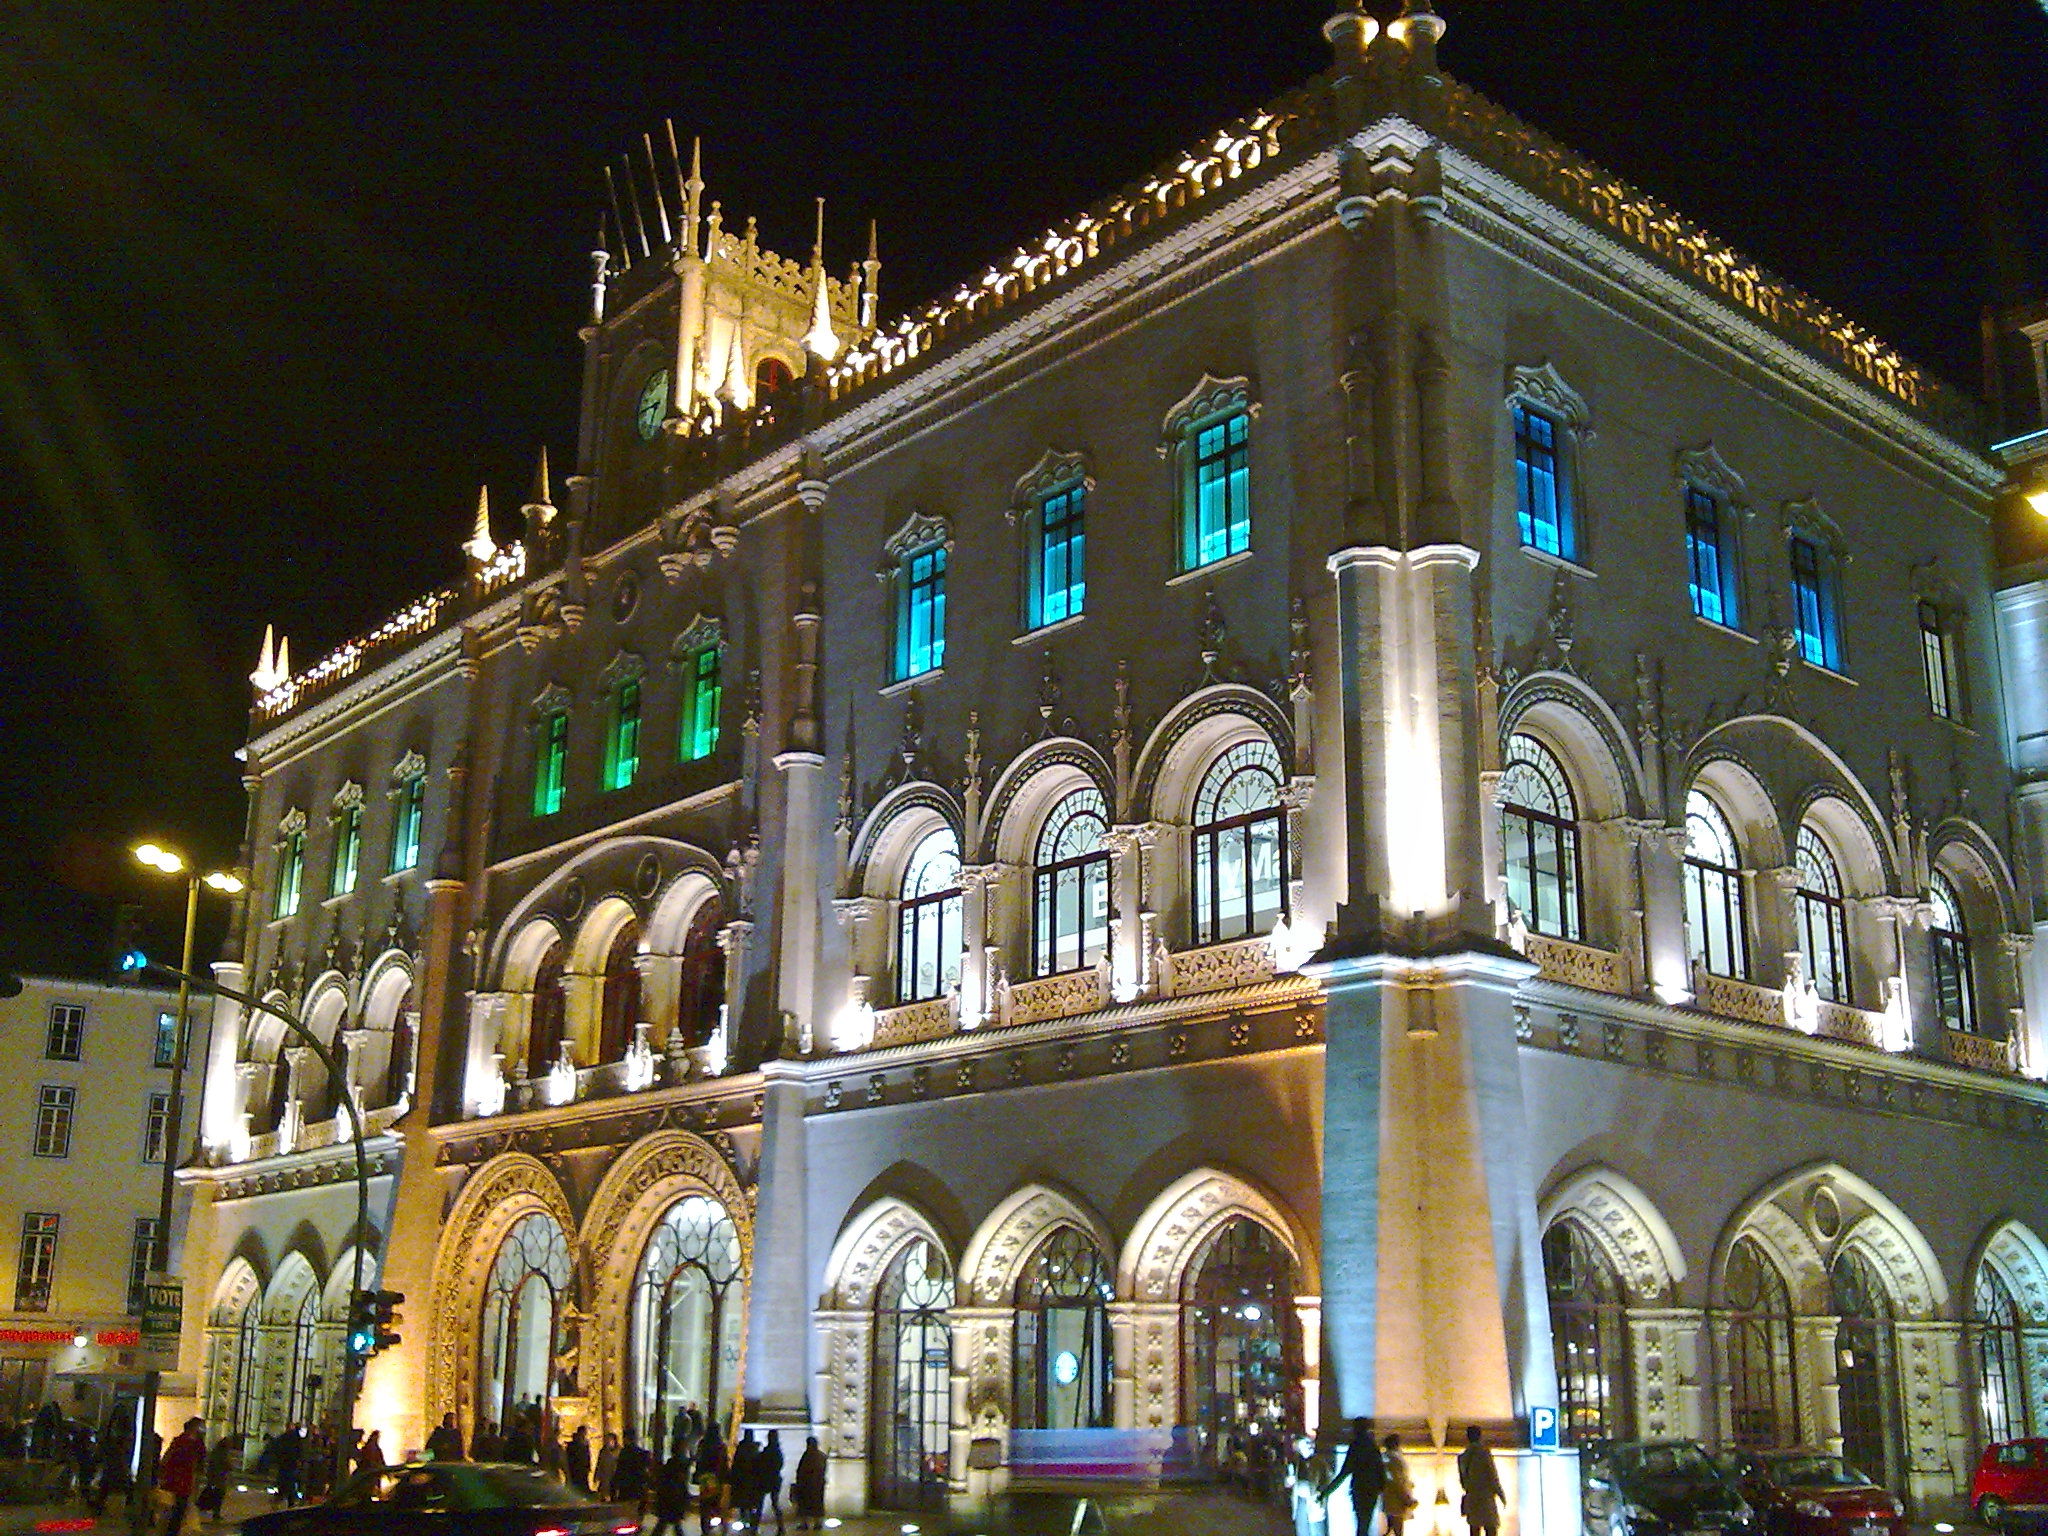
1813, 1493
2009, 1472
1665, 1488
460, 1498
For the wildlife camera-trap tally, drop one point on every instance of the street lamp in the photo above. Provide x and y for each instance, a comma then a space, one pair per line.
166, 862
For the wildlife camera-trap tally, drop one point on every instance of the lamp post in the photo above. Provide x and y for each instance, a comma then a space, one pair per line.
165, 862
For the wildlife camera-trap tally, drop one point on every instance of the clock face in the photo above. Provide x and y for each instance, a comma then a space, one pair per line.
653, 405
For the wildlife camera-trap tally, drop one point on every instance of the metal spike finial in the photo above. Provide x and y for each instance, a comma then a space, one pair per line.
611, 192
479, 546
633, 202
654, 181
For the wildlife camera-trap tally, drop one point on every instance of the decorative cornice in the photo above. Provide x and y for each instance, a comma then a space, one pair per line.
1542, 386
919, 530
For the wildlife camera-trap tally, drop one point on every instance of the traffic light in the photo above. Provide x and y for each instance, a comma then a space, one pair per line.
129, 955
372, 1319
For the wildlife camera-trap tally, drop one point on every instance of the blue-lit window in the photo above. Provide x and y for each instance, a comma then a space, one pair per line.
921, 612
1815, 622
405, 830
622, 741
703, 695
1058, 550
1710, 557
1542, 500
548, 762
1217, 520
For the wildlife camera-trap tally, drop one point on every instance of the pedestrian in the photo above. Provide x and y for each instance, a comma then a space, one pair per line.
770, 1475
672, 1492
488, 1445
117, 1445
1480, 1479
1306, 1473
312, 1462
576, 1459
807, 1488
1366, 1473
712, 1469
518, 1440
177, 1474
370, 1454
606, 1469
745, 1481
1398, 1501
223, 1461
445, 1441
630, 1476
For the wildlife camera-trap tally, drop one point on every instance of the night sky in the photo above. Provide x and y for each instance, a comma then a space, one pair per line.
281, 285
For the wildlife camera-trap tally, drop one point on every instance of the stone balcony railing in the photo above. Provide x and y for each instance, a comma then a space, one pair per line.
1053, 997
929, 1020
1979, 1051
1735, 999
1217, 967
1579, 965
1838, 1021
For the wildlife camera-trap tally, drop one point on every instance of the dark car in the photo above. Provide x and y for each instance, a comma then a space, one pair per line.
1666, 1488
466, 1497
1813, 1493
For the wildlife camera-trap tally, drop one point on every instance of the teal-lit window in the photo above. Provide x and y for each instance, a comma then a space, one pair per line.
1058, 551
1542, 506
921, 612
1816, 621
548, 763
405, 830
291, 870
703, 694
1710, 557
1216, 523
622, 740
348, 851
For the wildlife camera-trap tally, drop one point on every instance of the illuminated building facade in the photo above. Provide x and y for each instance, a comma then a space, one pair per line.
1372, 779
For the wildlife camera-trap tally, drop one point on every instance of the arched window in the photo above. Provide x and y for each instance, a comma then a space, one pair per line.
305, 1383
1866, 1369
1539, 829
1064, 1364
1240, 845
928, 934
1238, 1328
1716, 922
1070, 889
1823, 918
522, 1298
248, 1387
548, 1013
689, 1313
1761, 1391
2003, 1411
700, 989
771, 378
1588, 1336
619, 1010
910, 1400
1955, 989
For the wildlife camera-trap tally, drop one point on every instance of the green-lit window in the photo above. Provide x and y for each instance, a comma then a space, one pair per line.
405, 831
348, 851
1057, 553
703, 693
622, 740
291, 869
1216, 521
548, 761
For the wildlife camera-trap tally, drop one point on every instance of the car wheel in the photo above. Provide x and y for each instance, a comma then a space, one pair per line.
1991, 1511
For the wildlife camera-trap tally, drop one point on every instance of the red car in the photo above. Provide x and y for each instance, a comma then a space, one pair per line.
1814, 1493
2011, 1472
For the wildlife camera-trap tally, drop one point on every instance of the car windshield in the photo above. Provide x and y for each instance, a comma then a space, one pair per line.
514, 1487
1814, 1472
1680, 1462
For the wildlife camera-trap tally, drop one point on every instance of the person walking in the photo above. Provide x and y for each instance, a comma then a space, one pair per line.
1306, 1473
223, 1461
606, 1469
630, 1477
770, 1476
1397, 1501
1366, 1473
370, 1454
712, 1469
576, 1459
807, 1488
117, 1444
177, 1473
1480, 1480
445, 1442
745, 1481
671, 1490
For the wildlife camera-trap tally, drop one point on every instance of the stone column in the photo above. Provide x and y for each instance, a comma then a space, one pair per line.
978, 889
1659, 851
660, 977
779, 1302
803, 788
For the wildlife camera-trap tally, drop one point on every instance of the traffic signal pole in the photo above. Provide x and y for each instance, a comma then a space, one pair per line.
351, 1367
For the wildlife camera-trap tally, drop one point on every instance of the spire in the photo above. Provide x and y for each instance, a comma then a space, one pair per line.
820, 341
479, 546
284, 658
1349, 33
870, 272
539, 510
733, 390
268, 674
